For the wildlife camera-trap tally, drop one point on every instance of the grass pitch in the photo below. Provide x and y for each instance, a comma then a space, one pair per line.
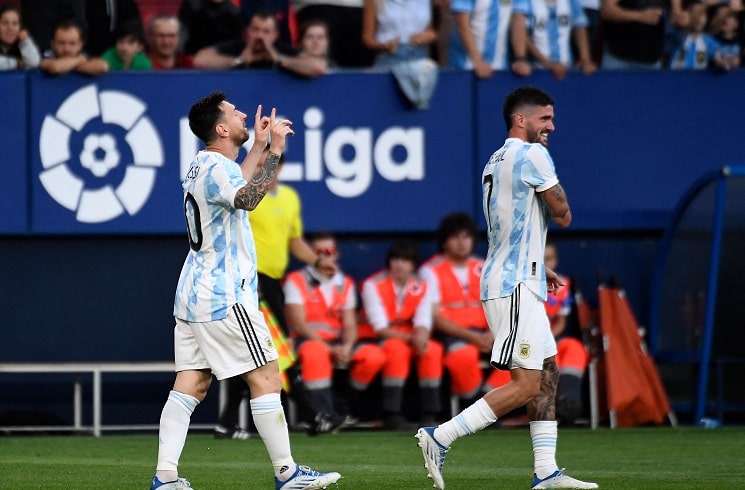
645, 458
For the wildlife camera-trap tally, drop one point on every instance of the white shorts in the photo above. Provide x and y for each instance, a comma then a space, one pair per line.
522, 334
234, 345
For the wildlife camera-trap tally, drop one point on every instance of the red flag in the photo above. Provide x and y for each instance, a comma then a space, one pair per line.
635, 391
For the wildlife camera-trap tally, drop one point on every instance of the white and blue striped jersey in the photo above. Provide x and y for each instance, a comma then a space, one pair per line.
516, 218
694, 52
490, 27
550, 25
220, 269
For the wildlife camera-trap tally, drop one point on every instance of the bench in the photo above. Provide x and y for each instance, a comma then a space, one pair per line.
96, 370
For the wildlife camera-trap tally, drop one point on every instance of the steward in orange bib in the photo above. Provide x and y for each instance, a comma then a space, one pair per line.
459, 321
321, 312
399, 310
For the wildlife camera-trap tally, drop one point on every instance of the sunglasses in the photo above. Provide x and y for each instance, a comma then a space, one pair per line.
326, 251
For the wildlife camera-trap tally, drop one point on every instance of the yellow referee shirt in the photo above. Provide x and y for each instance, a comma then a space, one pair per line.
275, 221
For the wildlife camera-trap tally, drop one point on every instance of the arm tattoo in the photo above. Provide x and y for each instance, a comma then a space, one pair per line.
543, 406
250, 195
559, 197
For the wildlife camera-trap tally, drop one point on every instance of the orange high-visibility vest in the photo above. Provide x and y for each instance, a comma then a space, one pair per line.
557, 300
400, 318
461, 307
326, 317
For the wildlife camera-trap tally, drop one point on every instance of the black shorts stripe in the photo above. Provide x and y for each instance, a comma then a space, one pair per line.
249, 335
508, 347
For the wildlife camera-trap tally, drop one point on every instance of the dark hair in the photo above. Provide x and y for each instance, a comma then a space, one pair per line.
130, 28
321, 235
312, 23
204, 116
521, 97
265, 13
11, 6
403, 249
452, 224
66, 24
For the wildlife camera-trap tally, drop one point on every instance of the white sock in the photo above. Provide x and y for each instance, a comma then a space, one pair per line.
174, 424
270, 422
470, 420
543, 433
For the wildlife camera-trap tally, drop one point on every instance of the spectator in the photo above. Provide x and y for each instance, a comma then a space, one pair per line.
695, 49
728, 36
344, 18
459, 322
258, 51
398, 307
286, 22
315, 45
480, 39
104, 19
634, 33
550, 24
571, 357
163, 43
594, 38
17, 49
127, 53
66, 53
401, 33
41, 17
321, 311
442, 21
208, 22
99, 20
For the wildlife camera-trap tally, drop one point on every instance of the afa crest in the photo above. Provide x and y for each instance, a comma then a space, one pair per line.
523, 351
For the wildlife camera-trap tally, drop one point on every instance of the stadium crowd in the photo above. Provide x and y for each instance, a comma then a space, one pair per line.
313, 37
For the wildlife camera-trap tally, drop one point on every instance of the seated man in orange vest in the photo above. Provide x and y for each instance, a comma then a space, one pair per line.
321, 311
453, 276
399, 311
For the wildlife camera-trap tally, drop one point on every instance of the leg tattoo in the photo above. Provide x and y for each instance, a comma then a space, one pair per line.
543, 406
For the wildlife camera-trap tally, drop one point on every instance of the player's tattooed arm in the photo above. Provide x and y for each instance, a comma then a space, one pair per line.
250, 195
556, 202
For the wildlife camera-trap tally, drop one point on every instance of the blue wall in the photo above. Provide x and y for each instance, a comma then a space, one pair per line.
90, 260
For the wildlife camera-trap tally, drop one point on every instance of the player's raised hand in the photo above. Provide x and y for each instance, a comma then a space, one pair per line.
279, 128
261, 128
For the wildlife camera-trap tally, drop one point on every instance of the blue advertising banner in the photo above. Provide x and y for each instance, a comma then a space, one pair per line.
627, 145
14, 184
110, 152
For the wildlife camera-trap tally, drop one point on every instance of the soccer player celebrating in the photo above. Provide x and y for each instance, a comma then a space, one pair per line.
521, 192
219, 327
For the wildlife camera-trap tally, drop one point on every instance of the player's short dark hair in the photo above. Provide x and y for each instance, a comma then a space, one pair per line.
404, 249
452, 224
522, 97
204, 116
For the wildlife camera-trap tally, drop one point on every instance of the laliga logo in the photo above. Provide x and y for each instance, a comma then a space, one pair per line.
343, 158
99, 154
351, 177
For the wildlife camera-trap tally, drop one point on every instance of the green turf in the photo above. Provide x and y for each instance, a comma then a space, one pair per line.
649, 458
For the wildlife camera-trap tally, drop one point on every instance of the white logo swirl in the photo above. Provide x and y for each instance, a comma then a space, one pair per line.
100, 154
